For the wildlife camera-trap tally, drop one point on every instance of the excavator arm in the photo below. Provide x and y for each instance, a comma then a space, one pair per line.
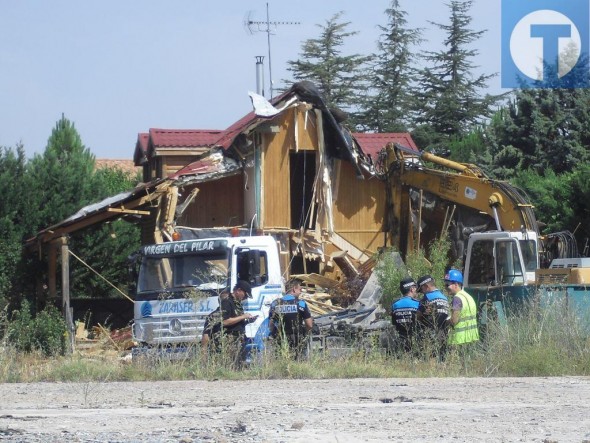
466, 185
457, 183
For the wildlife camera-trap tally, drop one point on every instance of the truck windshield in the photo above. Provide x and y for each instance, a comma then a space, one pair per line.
207, 272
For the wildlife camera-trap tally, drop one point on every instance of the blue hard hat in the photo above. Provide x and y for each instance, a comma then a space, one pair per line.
453, 275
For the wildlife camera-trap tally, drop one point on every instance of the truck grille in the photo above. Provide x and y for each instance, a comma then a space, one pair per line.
169, 329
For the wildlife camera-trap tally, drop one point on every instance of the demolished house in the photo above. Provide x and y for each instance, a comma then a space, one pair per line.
288, 168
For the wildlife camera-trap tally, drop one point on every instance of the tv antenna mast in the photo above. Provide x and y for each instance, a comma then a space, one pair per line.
265, 26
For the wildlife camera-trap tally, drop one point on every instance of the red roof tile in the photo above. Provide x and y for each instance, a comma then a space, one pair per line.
183, 138
372, 143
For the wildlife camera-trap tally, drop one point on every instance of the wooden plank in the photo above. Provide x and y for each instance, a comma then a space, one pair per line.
65, 283
276, 189
122, 210
316, 279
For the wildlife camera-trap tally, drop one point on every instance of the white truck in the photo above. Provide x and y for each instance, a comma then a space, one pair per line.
178, 284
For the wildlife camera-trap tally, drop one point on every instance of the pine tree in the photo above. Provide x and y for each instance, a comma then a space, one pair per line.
15, 214
340, 78
65, 181
389, 104
63, 175
448, 95
107, 245
542, 129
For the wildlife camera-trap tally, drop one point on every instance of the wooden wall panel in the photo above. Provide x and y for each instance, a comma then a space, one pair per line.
307, 130
276, 180
358, 209
276, 210
175, 163
218, 203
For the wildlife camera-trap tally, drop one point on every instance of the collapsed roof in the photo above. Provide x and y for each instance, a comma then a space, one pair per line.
218, 156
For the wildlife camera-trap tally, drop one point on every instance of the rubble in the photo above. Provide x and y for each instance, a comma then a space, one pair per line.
99, 339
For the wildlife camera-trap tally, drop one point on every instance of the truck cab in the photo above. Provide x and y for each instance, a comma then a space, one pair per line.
179, 283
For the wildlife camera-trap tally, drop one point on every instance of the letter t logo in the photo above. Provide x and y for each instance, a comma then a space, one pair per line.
550, 35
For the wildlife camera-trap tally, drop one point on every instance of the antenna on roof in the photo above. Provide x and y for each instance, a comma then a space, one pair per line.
265, 26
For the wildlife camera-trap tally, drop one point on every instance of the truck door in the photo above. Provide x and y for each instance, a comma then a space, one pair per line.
251, 266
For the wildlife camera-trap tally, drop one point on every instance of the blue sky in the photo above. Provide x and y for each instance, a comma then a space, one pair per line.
116, 68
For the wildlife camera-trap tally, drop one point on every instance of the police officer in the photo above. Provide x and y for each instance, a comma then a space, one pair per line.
290, 319
463, 311
404, 312
234, 320
434, 314
212, 328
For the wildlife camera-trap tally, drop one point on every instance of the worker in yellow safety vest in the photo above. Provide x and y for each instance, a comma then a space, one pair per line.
463, 311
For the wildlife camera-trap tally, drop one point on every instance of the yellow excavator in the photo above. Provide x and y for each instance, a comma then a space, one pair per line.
491, 224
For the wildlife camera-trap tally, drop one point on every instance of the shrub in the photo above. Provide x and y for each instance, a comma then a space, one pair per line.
390, 271
46, 332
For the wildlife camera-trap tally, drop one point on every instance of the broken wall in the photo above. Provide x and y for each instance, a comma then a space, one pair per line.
218, 203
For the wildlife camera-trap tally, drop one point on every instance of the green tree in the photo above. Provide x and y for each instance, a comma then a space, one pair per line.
579, 200
340, 78
388, 105
561, 201
67, 181
16, 212
62, 175
105, 247
448, 94
542, 129
549, 194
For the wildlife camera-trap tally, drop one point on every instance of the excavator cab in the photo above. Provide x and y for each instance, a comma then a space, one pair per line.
501, 259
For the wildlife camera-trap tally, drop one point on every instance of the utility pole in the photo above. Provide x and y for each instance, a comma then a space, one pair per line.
265, 26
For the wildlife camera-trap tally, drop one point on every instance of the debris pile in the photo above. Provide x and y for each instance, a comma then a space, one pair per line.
99, 339
325, 295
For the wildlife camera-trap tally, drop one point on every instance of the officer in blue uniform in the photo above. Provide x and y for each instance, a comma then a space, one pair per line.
434, 313
290, 320
403, 315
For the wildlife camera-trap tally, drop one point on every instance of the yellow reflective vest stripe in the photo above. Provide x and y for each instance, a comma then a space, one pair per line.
465, 331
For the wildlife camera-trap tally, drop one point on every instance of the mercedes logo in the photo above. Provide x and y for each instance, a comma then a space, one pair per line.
175, 326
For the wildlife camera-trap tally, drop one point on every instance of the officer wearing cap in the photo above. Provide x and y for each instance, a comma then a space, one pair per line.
434, 314
403, 315
235, 319
210, 339
290, 319
463, 311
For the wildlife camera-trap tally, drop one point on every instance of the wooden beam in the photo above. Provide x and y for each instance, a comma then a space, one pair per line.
52, 271
65, 283
105, 215
128, 211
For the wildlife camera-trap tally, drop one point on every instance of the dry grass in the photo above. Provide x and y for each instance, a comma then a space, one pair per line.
546, 341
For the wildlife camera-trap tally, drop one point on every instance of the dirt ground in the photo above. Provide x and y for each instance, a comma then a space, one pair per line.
358, 410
